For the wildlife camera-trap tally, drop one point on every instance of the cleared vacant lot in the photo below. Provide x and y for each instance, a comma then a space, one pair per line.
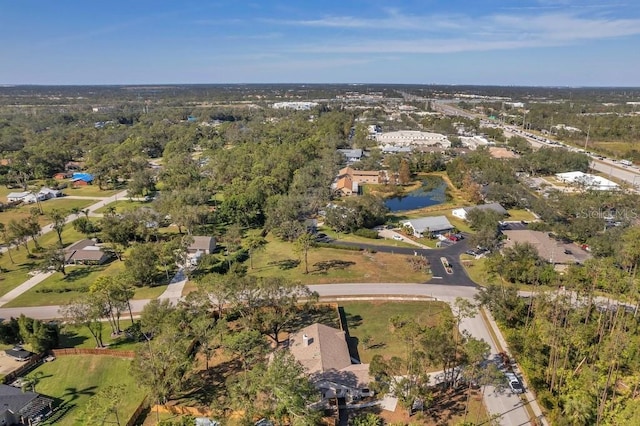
329, 265
372, 319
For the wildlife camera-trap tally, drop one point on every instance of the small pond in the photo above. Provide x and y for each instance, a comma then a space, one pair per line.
431, 193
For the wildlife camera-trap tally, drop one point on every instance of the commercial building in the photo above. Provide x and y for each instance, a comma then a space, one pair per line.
411, 138
587, 181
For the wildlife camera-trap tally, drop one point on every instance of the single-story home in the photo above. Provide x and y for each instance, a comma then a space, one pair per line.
62, 175
85, 252
18, 353
206, 245
23, 408
48, 193
200, 246
351, 155
78, 178
553, 251
324, 354
462, 212
13, 197
428, 226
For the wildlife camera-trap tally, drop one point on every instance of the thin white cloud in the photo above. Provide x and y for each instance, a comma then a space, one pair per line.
463, 33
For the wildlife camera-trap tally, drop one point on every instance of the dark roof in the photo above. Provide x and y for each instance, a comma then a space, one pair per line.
18, 353
13, 399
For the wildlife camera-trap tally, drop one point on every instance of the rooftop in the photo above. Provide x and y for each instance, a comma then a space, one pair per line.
432, 224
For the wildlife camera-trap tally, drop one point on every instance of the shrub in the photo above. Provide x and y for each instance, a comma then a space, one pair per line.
339, 246
367, 233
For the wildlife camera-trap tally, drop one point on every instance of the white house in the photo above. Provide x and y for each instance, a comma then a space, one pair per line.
462, 212
428, 226
12, 197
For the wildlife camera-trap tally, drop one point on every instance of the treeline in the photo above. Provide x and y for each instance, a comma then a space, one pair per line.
581, 357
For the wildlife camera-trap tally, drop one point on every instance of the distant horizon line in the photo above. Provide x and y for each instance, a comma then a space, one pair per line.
542, 86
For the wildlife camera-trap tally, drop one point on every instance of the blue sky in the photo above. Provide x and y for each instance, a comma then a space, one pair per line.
517, 42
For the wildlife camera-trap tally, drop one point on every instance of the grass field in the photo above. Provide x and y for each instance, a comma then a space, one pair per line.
16, 272
122, 206
372, 319
73, 379
327, 265
91, 191
520, 214
23, 211
59, 289
80, 337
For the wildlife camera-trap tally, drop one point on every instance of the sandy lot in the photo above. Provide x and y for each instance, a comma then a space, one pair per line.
7, 365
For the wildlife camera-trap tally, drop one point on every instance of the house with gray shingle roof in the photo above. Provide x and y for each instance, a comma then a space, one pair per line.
428, 226
324, 354
22, 408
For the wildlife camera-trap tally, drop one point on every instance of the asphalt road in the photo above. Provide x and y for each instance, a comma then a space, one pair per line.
452, 253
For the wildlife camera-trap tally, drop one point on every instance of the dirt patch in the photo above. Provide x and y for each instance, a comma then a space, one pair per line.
448, 408
8, 364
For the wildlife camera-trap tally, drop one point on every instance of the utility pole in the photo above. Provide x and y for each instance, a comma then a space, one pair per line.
587, 139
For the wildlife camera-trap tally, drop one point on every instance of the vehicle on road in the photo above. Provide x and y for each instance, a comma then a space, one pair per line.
514, 383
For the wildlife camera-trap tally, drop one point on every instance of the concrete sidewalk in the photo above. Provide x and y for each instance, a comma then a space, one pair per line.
25, 286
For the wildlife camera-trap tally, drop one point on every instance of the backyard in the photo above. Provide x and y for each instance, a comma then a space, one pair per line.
73, 379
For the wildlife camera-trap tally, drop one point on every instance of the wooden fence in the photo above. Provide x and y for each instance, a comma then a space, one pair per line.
33, 362
182, 410
92, 351
134, 417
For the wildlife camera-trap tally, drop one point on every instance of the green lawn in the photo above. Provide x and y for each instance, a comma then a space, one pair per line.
122, 206
91, 191
23, 211
372, 319
59, 289
520, 214
362, 240
16, 272
327, 265
73, 379
80, 337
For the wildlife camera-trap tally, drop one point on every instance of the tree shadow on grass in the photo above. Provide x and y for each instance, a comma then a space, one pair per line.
322, 268
75, 392
285, 264
79, 273
323, 314
210, 385
71, 339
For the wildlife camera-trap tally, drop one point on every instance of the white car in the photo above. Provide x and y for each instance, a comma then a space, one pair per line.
398, 237
514, 383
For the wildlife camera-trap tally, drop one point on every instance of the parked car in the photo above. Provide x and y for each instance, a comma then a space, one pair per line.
398, 237
514, 383
470, 252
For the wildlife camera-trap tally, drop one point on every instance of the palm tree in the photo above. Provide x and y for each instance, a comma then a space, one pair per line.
30, 382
